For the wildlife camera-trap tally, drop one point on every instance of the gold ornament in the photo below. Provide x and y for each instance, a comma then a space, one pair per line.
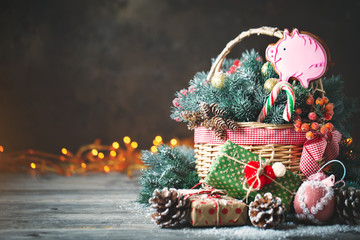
270, 83
218, 80
266, 68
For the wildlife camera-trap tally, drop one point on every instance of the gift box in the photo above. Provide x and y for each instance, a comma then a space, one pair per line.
227, 173
217, 210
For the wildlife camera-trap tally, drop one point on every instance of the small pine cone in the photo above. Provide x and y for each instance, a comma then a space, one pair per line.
231, 124
205, 110
188, 116
170, 206
221, 134
216, 111
192, 125
348, 205
208, 124
219, 123
267, 211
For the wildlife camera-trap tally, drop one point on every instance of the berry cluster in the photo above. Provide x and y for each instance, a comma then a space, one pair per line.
236, 64
314, 120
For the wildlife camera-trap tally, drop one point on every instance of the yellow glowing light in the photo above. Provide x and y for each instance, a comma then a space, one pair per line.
83, 165
173, 141
101, 155
112, 153
115, 145
64, 151
1, 149
349, 141
106, 169
33, 165
156, 143
94, 152
153, 149
126, 140
134, 144
158, 139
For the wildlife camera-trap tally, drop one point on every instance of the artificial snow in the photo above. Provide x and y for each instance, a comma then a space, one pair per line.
284, 231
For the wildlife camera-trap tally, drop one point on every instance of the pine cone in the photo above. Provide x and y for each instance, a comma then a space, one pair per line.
208, 124
219, 123
221, 134
231, 124
188, 116
267, 211
205, 110
348, 205
170, 206
216, 111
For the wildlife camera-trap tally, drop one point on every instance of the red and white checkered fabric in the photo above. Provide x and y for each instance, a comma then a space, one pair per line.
313, 150
251, 136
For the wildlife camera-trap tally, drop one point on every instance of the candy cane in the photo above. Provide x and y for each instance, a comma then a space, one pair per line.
281, 86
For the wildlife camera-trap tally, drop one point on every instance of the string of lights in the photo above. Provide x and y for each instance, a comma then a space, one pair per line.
94, 157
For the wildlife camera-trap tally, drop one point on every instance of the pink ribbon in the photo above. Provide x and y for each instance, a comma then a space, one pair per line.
316, 148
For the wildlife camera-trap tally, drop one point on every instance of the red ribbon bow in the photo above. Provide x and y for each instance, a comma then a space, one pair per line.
316, 148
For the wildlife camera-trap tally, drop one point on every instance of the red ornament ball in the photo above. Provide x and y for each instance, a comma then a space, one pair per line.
314, 202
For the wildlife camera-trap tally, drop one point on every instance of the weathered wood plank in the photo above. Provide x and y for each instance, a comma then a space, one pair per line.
104, 207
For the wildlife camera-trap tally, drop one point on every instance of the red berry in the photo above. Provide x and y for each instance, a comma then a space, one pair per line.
329, 126
327, 116
324, 130
236, 62
309, 135
319, 101
298, 111
325, 100
270, 173
298, 123
312, 116
298, 130
232, 69
310, 100
315, 126
329, 107
297, 118
305, 127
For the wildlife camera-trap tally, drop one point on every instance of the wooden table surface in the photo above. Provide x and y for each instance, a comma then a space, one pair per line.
103, 206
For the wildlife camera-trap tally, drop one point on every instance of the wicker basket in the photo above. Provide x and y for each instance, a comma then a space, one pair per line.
289, 155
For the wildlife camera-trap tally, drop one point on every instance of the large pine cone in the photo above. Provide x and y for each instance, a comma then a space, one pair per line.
348, 205
267, 211
170, 206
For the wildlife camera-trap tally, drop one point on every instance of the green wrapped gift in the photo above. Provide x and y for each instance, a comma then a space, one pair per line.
227, 173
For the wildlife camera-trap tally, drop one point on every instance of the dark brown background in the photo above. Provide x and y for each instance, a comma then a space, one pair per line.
73, 71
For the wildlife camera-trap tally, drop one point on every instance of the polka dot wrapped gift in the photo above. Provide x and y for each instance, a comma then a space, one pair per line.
227, 173
217, 210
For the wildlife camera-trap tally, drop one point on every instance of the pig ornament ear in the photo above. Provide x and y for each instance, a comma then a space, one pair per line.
299, 56
286, 34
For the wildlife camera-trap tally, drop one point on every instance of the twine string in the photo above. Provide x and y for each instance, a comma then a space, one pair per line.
259, 172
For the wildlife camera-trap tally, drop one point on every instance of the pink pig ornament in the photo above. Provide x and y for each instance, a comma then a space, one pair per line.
298, 55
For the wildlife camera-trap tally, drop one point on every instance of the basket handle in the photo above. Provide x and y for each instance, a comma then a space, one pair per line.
270, 31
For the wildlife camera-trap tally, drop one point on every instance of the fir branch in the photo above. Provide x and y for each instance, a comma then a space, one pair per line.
169, 167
